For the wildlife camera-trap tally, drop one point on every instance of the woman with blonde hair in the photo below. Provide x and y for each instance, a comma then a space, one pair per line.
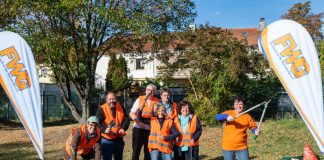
162, 133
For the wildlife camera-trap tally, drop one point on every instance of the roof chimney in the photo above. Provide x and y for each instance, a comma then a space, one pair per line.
262, 24
192, 26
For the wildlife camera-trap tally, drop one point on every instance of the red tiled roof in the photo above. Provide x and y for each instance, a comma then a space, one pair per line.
251, 34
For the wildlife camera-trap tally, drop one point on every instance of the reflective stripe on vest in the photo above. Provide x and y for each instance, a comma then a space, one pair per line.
109, 118
84, 146
155, 141
148, 109
185, 137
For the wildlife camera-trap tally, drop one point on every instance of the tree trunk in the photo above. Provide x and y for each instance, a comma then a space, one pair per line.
85, 110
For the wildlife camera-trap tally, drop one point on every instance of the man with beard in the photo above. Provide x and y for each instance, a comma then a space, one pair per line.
113, 124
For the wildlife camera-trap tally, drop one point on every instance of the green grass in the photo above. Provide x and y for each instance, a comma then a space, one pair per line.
278, 139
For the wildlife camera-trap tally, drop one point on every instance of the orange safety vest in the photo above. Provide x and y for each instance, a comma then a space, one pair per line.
147, 111
185, 137
120, 115
84, 146
155, 142
173, 114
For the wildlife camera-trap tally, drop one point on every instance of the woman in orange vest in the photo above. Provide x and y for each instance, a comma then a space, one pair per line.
85, 141
234, 141
162, 133
186, 145
171, 107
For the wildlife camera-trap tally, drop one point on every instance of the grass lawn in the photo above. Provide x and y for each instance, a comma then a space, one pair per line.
278, 139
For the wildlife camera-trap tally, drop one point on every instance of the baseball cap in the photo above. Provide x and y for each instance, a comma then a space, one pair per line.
93, 119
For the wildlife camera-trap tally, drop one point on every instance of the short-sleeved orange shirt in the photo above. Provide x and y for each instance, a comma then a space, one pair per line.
234, 134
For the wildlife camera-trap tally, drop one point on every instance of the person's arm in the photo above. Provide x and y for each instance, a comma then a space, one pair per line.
252, 126
198, 132
97, 149
74, 144
174, 134
101, 118
134, 110
221, 117
125, 122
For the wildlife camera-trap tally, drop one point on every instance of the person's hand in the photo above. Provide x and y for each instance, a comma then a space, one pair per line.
192, 141
107, 130
230, 118
121, 131
257, 132
162, 137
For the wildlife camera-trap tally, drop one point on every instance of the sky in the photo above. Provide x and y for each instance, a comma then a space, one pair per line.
246, 13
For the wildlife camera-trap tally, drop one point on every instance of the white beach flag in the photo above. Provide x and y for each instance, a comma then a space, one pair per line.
291, 53
19, 78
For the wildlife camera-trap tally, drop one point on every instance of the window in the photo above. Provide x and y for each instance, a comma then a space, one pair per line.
139, 64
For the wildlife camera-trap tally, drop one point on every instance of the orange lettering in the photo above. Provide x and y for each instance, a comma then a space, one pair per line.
299, 65
22, 77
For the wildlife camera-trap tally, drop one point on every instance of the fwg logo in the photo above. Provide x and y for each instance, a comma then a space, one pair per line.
22, 77
299, 65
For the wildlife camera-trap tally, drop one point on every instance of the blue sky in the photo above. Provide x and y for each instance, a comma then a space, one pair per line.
246, 13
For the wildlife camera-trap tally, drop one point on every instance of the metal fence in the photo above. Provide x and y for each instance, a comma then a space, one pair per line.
54, 109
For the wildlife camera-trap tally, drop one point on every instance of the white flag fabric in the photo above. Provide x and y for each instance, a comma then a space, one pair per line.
19, 78
291, 53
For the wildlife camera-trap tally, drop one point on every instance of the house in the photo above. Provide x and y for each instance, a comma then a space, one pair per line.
141, 69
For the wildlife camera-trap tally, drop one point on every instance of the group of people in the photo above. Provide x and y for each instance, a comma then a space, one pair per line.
166, 130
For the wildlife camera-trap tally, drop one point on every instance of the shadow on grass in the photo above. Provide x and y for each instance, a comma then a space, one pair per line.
17, 150
23, 151
13, 125
59, 123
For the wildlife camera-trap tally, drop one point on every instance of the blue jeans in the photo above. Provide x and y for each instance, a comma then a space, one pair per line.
238, 154
111, 148
157, 155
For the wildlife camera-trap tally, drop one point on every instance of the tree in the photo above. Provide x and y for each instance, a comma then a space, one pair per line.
117, 78
301, 13
112, 63
217, 67
70, 36
7, 13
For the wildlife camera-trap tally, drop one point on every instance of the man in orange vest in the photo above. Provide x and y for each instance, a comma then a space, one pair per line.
171, 107
113, 124
85, 141
141, 130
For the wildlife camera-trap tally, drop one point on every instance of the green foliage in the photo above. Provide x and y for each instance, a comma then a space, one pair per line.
321, 53
256, 91
204, 109
116, 78
7, 13
218, 67
301, 13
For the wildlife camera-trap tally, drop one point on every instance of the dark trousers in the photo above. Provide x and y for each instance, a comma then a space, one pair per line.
185, 155
112, 148
140, 138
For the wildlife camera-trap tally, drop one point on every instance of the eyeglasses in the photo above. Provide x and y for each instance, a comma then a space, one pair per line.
92, 124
